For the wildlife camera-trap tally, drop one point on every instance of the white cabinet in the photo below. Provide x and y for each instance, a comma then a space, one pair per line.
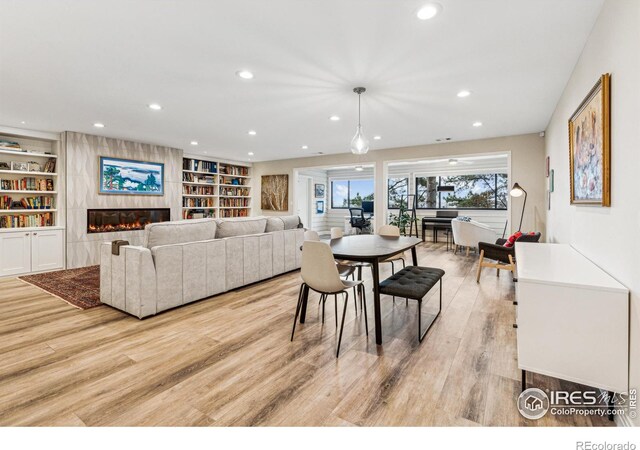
573, 318
15, 253
31, 251
46, 250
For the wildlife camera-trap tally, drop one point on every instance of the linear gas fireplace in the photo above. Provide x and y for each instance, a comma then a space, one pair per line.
111, 220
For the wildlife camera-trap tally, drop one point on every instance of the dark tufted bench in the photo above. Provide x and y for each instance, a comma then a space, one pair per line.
414, 282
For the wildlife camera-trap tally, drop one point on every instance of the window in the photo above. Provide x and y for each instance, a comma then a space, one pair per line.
350, 193
397, 190
478, 191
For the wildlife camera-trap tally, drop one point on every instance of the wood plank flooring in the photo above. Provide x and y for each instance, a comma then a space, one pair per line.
228, 361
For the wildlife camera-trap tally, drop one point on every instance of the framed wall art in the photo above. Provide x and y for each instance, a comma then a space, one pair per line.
590, 147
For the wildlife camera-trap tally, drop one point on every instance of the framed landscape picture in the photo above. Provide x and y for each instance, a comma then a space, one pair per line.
319, 190
590, 147
130, 177
319, 206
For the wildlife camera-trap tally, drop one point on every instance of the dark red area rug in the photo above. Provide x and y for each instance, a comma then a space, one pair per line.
78, 287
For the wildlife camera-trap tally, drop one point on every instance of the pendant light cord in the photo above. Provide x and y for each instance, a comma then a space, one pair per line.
359, 124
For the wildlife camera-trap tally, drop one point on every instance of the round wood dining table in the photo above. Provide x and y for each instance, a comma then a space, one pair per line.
369, 248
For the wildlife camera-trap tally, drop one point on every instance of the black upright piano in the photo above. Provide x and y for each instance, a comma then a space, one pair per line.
442, 221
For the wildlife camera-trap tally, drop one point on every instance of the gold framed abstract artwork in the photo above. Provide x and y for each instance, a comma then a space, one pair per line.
590, 147
275, 193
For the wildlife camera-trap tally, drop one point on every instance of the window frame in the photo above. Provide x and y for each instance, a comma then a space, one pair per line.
349, 180
440, 207
406, 176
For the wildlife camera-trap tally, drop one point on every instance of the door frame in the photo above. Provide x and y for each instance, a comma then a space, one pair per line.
305, 220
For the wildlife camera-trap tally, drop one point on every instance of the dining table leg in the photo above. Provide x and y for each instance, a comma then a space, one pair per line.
414, 256
376, 300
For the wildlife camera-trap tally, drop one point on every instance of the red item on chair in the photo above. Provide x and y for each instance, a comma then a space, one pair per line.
512, 239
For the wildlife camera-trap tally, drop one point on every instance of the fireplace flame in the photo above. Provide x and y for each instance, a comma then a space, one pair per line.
136, 225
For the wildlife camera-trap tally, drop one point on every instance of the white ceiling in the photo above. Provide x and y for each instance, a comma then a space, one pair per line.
66, 64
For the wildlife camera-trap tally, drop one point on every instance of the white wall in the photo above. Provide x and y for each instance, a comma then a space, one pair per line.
607, 236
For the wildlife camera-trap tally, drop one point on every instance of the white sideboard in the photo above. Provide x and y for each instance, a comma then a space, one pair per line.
572, 317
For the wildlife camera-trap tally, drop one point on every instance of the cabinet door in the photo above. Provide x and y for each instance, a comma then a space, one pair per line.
15, 253
46, 250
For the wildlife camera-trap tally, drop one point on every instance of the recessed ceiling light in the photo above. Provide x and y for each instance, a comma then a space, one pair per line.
429, 11
23, 122
98, 125
359, 168
334, 118
463, 94
251, 133
377, 138
244, 74
453, 162
194, 142
304, 147
477, 124
250, 153
155, 106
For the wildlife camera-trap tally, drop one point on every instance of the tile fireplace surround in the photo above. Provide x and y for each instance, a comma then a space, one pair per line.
83, 152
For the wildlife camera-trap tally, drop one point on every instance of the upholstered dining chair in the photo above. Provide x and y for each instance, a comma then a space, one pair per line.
392, 231
320, 274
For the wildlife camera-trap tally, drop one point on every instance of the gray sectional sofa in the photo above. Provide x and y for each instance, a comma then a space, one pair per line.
189, 260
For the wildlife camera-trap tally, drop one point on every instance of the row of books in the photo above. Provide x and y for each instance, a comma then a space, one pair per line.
234, 181
199, 214
199, 166
27, 220
234, 212
199, 202
234, 202
234, 191
27, 184
196, 178
198, 190
41, 202
234, 170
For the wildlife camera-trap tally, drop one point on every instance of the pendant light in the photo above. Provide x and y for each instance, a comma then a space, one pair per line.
359, 143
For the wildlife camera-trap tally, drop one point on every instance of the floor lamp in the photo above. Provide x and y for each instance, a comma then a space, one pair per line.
517, 191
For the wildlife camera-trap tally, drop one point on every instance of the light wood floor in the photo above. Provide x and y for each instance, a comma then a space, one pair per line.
228, 360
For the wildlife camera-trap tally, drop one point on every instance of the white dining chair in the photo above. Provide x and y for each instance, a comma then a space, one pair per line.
320, 274
392, 231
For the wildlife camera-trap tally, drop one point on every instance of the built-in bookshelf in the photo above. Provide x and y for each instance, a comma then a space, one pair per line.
28, 183
215, 189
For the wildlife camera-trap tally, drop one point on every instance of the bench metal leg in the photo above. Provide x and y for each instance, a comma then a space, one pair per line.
420, 334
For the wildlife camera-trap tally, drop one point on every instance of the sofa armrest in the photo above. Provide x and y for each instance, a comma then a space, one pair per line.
128, 280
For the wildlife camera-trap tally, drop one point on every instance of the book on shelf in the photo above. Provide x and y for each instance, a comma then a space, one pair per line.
50, 165
234, 191
41, 202
234, 213
198, 214
198, 190
226, 169
198, 202
234, 202
197, 178
27, 220
197, 165
229, 179
27, 184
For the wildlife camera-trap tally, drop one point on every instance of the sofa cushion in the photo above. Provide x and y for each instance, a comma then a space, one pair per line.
179, 232
240, 226
274, 224
291, 222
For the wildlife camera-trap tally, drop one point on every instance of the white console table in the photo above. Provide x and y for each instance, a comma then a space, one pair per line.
572, 318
